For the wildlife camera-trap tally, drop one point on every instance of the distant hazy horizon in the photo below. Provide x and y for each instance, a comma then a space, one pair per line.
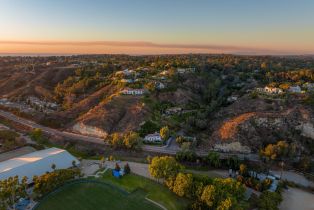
282, 27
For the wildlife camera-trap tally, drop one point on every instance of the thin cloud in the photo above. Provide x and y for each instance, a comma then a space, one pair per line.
128, 44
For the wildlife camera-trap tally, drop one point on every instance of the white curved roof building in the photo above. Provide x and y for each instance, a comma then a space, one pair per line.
36, 163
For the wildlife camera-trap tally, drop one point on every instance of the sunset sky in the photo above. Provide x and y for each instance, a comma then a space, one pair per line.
157, 26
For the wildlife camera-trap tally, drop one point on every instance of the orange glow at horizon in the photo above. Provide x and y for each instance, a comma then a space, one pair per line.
108, 47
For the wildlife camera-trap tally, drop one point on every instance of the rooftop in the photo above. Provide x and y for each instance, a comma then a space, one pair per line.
29, 158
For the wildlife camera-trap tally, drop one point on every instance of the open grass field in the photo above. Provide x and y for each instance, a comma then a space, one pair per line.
154, 191
92, 196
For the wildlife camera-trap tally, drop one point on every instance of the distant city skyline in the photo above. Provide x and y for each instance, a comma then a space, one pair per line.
156, 27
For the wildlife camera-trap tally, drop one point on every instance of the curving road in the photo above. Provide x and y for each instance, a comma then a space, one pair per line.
167, 149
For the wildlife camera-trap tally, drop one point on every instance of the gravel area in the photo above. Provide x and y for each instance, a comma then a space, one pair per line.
89, 167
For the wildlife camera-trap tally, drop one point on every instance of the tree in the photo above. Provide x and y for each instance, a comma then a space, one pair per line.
37, 135
269, 201
53, 166
165, 133
74, 163
225, 204
180, 140
242, 169
282, 148
116, 140
131, 140
11, 190
274, 151
163, 167
48, 182
183, 184
213, 158
208, 195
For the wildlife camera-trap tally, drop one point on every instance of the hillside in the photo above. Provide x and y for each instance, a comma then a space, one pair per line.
213, 98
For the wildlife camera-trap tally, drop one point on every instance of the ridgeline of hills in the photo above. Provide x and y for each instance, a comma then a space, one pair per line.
210, 97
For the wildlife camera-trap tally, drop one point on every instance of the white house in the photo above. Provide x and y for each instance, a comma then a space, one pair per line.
36, 163
295, 89
232, 98
160, 85
308, 86
129, 91
155, 137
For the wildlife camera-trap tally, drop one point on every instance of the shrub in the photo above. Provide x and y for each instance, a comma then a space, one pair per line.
269, 201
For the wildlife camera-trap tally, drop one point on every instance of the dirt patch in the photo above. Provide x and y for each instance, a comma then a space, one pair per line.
229, 128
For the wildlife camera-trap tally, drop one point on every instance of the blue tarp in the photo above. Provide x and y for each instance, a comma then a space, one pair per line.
22, 204
116, 173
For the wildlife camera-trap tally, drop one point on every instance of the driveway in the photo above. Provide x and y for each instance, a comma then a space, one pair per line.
294, 198
296, 178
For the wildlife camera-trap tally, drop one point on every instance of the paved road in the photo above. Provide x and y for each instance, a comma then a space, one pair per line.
168, 149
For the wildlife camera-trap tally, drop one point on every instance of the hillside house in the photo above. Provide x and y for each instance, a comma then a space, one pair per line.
159, 85
125, 72
129, 91
231, 99
308, 86
126, 80
153, 138
295, 89
173, 110
185, 70
270, 90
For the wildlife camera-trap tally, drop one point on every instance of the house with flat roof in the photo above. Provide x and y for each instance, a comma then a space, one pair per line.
155, 137
185, 70
36, 163
173, 110
129, 91
295, 89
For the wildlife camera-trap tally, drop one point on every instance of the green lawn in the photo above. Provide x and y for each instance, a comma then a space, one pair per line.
154, 191
96, 196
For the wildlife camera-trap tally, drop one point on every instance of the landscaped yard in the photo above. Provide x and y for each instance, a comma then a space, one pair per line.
92, 196
155, 191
